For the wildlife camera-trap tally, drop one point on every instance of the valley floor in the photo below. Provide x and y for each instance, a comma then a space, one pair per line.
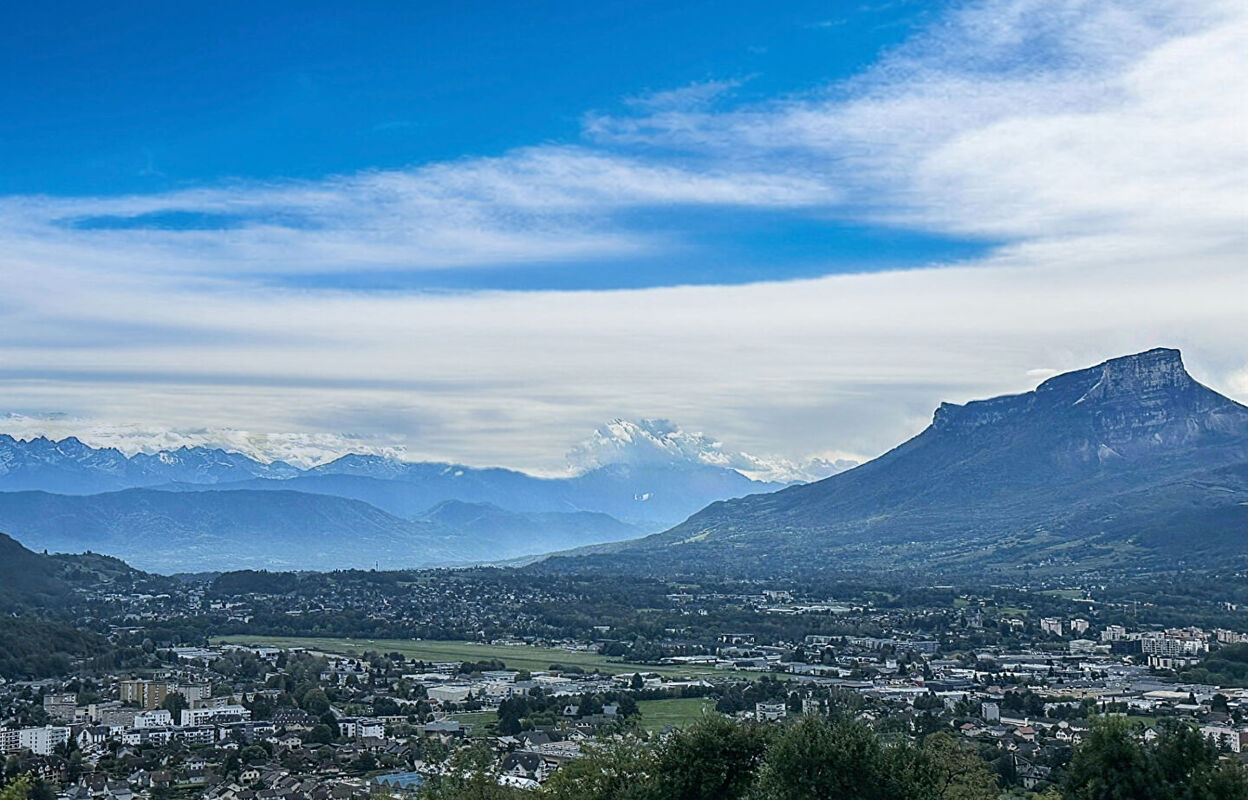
525, 657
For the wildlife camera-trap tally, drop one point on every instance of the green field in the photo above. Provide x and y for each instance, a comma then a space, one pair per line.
677, 713
519, 657
475, 722
1065, 594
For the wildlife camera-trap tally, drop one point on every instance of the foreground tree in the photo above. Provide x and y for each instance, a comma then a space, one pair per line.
712, 759
816, 759
1114, 764
961, 773
625, 770
472, 776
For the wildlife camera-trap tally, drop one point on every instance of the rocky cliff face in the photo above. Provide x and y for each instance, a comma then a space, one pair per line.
1127, 407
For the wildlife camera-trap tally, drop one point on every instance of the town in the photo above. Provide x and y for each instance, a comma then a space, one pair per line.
244, 685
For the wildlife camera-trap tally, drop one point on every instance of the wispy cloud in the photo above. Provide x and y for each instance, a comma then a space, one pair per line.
538, 204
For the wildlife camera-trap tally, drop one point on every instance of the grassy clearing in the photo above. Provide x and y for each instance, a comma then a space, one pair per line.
476, 722
519, 657
676, 713
1013, 611
1065, 594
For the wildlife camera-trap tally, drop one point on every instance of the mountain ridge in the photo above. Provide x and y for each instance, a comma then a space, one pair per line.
653, 495
1039, 479
212, 529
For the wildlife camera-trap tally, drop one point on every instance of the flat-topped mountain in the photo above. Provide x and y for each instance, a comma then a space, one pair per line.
1130, 462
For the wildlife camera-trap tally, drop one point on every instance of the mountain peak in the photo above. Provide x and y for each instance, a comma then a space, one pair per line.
1153, 370
1153, 385
1128, 461
622, 444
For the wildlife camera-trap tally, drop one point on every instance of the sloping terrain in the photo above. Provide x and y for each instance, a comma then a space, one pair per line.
1131, 462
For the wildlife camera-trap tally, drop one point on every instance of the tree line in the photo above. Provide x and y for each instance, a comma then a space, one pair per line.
821, 758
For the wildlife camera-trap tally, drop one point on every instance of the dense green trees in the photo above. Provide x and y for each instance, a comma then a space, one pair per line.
34, 646
817, 758
718, 759
1227, 666
714, 759
1180, 764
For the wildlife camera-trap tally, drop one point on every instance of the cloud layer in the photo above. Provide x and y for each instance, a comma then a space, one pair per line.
1102, 144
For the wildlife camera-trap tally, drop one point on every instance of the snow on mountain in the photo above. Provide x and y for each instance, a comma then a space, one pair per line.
650, 442
299, 449
647, 442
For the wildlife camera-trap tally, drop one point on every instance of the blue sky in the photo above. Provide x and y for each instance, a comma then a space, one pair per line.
150, 96
155, 97
475, 232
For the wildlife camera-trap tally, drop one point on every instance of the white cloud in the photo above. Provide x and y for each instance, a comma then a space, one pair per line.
1111, 164
538, 204
660, 441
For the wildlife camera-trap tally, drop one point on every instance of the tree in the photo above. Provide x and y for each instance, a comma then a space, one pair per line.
386, 707
627, 707
624, 770
314, 701
320, 734
472, 776
817, 758
712, 759
590, 705
18, 789
962, 773
175, 703
1113, 764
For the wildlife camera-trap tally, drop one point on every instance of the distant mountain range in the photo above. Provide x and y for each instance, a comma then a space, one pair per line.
1128, 464
231, 529
198, 508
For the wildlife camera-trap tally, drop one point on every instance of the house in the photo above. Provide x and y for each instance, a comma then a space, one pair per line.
523, 764
445, 730
98, 788
1031, 775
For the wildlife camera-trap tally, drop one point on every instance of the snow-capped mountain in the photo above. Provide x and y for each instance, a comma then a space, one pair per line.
652, 442
299, 449
632, 478
69, 466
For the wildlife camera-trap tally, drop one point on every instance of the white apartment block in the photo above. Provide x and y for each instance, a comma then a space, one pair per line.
40, 741
1113, 633
160, 718
1161, 645
1224, 737
195, 717
1051, 625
